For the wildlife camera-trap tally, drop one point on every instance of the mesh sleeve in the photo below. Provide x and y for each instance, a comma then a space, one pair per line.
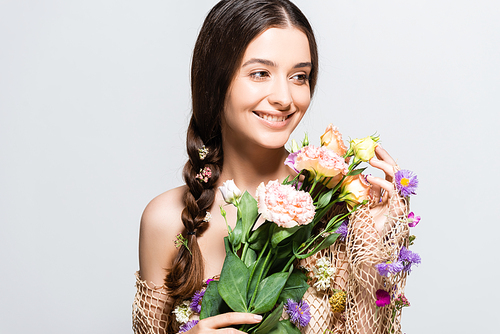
355, 260
148, 310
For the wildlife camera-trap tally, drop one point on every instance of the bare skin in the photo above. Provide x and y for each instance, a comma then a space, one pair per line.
266, 100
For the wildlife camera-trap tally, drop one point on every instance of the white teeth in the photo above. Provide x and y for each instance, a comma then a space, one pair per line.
273, 118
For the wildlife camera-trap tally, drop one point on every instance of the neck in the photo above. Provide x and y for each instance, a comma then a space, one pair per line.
248, 166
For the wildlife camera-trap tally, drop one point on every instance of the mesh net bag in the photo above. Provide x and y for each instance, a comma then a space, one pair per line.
149, 311
356, 275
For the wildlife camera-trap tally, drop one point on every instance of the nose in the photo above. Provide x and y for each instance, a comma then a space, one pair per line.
280, 96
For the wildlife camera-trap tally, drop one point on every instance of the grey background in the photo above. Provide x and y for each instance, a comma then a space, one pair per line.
94, 101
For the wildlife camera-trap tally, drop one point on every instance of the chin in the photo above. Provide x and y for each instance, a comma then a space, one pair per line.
274, 141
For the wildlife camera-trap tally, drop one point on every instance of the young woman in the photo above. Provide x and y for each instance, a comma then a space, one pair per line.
253, 74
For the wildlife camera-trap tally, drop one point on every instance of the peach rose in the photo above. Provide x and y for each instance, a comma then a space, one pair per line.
322, 162
284, 205
355, 190
332, 140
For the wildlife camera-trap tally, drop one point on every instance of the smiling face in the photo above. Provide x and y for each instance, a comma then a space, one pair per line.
270, 91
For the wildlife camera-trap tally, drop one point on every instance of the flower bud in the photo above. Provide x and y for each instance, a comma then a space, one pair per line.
364, 149
305, 142
295, 147
230, 192
355, 190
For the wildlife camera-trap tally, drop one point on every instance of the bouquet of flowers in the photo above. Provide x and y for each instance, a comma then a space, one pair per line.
258, 275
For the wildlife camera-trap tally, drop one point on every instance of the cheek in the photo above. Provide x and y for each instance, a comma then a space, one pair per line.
302, 99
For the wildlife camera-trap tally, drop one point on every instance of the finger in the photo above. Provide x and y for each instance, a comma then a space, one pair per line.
381, 183
231, 318
382, 154
384, 166
230, 331
376, 193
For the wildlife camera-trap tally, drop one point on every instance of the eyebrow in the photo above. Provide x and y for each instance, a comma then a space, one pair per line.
273, 64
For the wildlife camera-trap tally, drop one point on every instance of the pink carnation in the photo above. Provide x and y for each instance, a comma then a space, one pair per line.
284, 205
322, 162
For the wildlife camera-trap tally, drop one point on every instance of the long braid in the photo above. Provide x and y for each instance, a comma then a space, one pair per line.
187, 272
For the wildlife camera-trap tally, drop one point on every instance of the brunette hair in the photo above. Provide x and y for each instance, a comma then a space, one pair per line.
226, 32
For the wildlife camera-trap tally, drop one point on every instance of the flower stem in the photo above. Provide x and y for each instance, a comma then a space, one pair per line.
256, 262
288, 264
260, 277
244, 253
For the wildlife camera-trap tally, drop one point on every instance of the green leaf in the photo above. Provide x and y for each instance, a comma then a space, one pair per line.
227, 244
335, 223
211, 301
268, 292
356, 171
330, 240
250, 257
295, 287
259, 237
324, 244
324, 199
249, 212
252, 284
270, 321
281, 233
233, 283
285, 327
236, 236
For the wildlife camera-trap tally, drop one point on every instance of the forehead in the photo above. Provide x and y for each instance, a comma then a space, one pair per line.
284, 46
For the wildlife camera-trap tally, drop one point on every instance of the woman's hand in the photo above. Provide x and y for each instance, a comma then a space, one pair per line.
217, 323
383, 189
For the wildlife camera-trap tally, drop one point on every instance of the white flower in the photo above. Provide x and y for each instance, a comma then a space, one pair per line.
230, 192
182, 312
208, 217
323, 272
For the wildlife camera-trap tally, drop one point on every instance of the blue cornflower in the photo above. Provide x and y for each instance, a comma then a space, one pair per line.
187, 326
342, 230
196, 301
406, 182
298, 313
389, 267
408, 258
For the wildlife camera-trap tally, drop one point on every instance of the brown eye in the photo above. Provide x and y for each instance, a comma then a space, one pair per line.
259, 75
301, 78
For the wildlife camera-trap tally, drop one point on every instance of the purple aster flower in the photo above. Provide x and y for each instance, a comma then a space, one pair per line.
389, 267
196, 301
342, 230
290, 161
187, 326
412, 220
383, 298
406, 182
298, 313
408, 258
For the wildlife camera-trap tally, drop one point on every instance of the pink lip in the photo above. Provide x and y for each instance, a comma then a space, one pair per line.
274, 124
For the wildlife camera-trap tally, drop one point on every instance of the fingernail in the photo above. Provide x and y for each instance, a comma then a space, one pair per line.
257, 317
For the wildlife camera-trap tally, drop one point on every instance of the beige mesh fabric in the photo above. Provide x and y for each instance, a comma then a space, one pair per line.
148, 310
355, 261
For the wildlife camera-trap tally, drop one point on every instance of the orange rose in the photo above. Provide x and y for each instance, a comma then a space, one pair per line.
332, 140
355, 190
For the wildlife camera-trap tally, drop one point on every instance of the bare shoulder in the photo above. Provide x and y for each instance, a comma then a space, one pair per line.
160, 223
